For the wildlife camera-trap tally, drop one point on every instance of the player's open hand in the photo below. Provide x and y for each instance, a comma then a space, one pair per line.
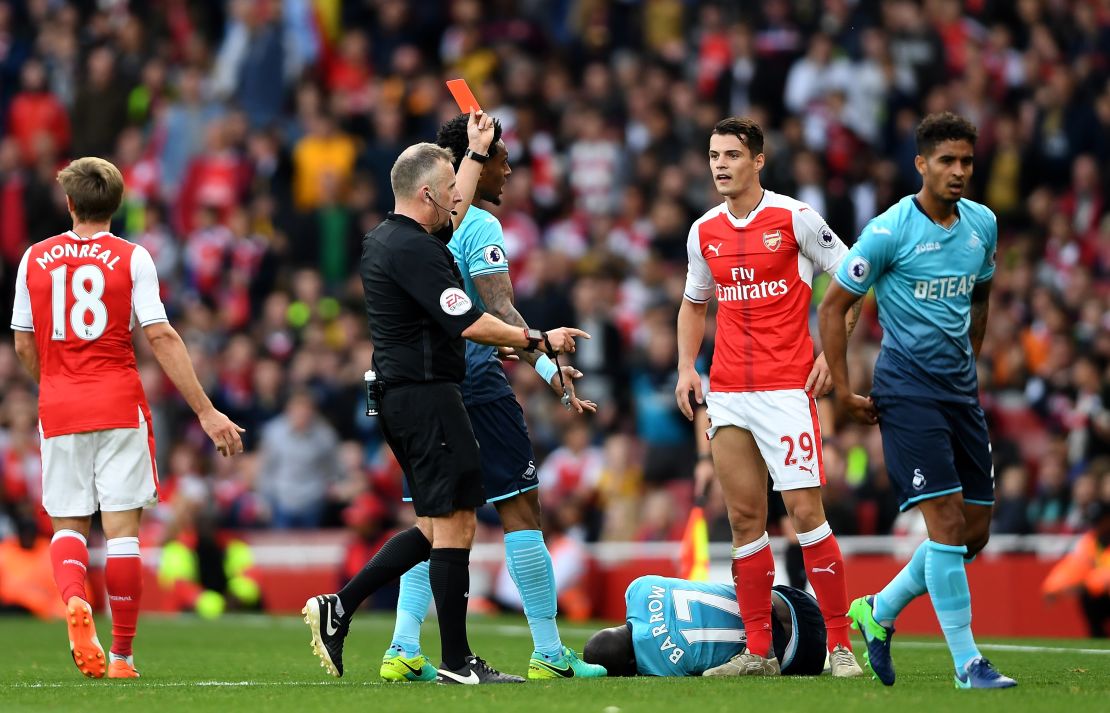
819, 382
688, 380
223, 431
703, 478
573, 403
479, 131
859, 408
561, 340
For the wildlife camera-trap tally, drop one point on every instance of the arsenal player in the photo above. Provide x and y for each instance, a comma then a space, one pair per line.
78, 295
757, 253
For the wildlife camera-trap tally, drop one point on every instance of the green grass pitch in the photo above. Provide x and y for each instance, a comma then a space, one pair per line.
264, 665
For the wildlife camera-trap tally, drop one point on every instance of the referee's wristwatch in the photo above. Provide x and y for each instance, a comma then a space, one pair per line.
479, 157
535, 337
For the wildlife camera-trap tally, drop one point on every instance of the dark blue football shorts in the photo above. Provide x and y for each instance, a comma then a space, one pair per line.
934, 448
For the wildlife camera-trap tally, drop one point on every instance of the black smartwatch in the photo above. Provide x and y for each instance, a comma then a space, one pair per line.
479, 157
534, 337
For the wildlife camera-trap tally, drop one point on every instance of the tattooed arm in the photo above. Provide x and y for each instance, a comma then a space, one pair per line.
852, 318
980, 306
496, 291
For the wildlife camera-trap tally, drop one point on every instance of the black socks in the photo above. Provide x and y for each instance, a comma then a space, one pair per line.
449, 573
398, 555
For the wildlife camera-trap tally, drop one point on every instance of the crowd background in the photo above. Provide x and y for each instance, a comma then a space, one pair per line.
256, 138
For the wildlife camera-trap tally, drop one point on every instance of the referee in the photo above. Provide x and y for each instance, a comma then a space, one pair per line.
419, 317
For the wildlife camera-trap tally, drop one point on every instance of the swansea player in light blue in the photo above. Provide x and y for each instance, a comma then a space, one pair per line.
930, 258
509, 473
676, 627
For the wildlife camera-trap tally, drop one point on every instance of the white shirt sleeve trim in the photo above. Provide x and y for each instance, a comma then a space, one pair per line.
699, 277
22, 317
145, 298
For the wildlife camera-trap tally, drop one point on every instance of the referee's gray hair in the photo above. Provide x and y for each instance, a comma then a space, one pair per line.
414, 166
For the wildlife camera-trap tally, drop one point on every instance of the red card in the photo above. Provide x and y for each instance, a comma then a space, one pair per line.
463, 96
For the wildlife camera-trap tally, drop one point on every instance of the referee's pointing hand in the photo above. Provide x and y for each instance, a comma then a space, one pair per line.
562, 340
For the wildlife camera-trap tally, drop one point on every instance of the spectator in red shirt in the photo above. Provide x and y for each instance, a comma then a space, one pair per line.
35, 110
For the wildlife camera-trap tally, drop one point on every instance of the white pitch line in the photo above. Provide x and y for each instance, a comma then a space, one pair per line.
1006, 647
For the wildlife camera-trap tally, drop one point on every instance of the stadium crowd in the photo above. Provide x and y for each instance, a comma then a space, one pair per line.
256, 138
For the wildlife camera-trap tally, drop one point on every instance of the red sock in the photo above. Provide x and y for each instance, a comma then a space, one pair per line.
123, 577
825, 571
753, 573
70, 557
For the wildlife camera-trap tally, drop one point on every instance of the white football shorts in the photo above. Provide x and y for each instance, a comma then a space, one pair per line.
785, 427
110, 470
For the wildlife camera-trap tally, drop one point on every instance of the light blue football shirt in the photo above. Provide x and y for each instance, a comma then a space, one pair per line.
682, 628
923, 275
479, 249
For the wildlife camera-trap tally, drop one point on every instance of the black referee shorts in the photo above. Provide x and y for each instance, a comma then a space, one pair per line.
427, 427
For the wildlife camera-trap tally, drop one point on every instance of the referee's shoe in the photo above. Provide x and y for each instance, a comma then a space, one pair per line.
329, 628
473, 672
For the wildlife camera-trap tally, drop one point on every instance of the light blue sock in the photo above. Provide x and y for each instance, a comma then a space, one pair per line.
412, 607
530, 567
906, 586
947, 582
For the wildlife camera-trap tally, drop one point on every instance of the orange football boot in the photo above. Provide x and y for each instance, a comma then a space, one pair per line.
122, 668
85, 648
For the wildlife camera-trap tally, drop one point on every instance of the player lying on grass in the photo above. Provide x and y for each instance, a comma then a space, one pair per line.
676, 627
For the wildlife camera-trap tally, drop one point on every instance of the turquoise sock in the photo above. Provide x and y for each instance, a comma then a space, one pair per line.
906, 586
530, 567
947, 582
412, 607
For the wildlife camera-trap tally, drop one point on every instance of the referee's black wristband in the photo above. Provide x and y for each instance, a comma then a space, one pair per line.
534, 337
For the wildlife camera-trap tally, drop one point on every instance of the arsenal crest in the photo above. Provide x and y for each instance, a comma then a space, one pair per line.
772, 240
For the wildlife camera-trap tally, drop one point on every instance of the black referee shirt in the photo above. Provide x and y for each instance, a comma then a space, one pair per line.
415, 304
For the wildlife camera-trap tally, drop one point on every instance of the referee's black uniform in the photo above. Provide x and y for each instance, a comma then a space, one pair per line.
417, 311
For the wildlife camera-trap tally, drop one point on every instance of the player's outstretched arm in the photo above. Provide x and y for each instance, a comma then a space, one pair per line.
28, 353
691, 331
479, 130
832, 322
496, 291
490, 330
174, 359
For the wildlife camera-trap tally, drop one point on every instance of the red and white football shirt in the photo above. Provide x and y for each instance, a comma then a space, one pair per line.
760, 268
82, 297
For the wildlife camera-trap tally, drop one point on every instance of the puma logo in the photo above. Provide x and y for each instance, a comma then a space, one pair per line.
715, 248
806, 468
826, 570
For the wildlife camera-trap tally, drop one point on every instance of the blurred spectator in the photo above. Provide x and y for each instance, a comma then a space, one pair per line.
1011, 505
1049, 506
300, 464
572, 471
35, 110
100, 109
664, 431
322, 164
1085, 571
